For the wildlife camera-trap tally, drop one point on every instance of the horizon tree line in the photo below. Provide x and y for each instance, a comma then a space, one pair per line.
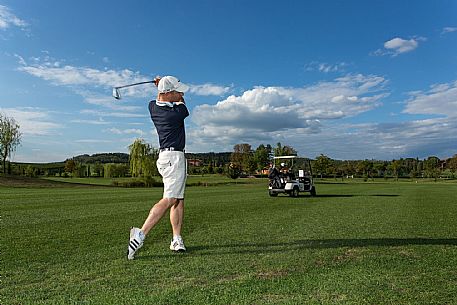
244, 160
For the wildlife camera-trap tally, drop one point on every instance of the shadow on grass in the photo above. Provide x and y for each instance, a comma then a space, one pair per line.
262, 248
329, 196
339, 196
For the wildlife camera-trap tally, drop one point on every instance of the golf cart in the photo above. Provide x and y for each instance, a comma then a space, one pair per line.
291, 175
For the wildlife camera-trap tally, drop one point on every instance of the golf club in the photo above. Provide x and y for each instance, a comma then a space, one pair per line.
117, 94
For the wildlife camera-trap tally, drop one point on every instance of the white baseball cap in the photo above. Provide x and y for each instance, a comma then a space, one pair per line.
171, 83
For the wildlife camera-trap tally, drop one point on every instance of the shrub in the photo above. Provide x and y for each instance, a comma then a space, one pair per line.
144, 182
151, 182
233, 170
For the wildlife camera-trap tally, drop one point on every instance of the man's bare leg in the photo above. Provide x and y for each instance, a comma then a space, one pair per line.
176, 217
157, 212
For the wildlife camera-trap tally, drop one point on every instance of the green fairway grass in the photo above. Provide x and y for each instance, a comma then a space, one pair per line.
192, 180
355, 243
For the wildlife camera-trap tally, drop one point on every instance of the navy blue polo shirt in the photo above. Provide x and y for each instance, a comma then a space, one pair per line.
169, 122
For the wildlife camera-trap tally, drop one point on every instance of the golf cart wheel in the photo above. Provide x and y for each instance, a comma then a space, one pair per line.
294, 192
273, 194
313, 191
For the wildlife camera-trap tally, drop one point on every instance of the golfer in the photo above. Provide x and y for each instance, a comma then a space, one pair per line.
168, 113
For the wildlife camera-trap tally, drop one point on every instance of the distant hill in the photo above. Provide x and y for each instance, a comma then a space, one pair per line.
102, 158
218, 158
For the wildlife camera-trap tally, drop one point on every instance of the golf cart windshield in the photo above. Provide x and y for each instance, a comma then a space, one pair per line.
293, 163
284, 161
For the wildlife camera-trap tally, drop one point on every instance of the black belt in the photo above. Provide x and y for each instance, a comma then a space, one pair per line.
170, 149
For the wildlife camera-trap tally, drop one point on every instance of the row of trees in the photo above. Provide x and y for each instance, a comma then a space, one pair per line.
252, 161
108, 170
246, 160
140, 163
432, 167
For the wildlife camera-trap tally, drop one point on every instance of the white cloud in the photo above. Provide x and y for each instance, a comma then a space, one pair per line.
33, 121
124, 131
69, 75
209, 89
85, 81
448, 29
52, 70
397, 46
95, 141
384, 141
7, 19
20, 59
100, 121
113, 114
311, 121
107, 102
326, 67
420, 138
440, 99
266, 112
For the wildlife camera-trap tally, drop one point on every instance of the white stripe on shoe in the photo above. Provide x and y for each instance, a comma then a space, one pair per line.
177, 245
135, 242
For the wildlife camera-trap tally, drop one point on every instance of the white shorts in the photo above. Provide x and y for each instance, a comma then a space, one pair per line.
172, 166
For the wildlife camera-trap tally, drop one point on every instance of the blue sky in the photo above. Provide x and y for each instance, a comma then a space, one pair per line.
349, 79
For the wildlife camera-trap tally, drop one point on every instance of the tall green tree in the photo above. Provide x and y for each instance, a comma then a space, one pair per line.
347, 168
10, 138
71, 166
322, 164
262, 156
379, 168
142, 159
98, 169
284, 150
395, 166
452, 163
138, 152
149, 163
432, 167
243, 156
30, 171
365, 167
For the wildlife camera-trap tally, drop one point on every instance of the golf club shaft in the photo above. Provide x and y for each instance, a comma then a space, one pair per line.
147, 82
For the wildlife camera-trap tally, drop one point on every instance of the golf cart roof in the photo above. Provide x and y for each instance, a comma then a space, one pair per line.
285, 157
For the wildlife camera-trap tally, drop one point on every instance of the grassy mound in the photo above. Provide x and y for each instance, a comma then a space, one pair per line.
26, 182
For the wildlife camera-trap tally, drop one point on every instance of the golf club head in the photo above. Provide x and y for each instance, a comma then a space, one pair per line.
116, 94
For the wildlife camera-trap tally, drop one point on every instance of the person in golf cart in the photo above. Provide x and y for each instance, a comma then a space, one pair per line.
285, 173
278, 179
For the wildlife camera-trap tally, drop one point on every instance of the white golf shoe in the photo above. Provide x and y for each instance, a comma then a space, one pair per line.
135, 242
177, 244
